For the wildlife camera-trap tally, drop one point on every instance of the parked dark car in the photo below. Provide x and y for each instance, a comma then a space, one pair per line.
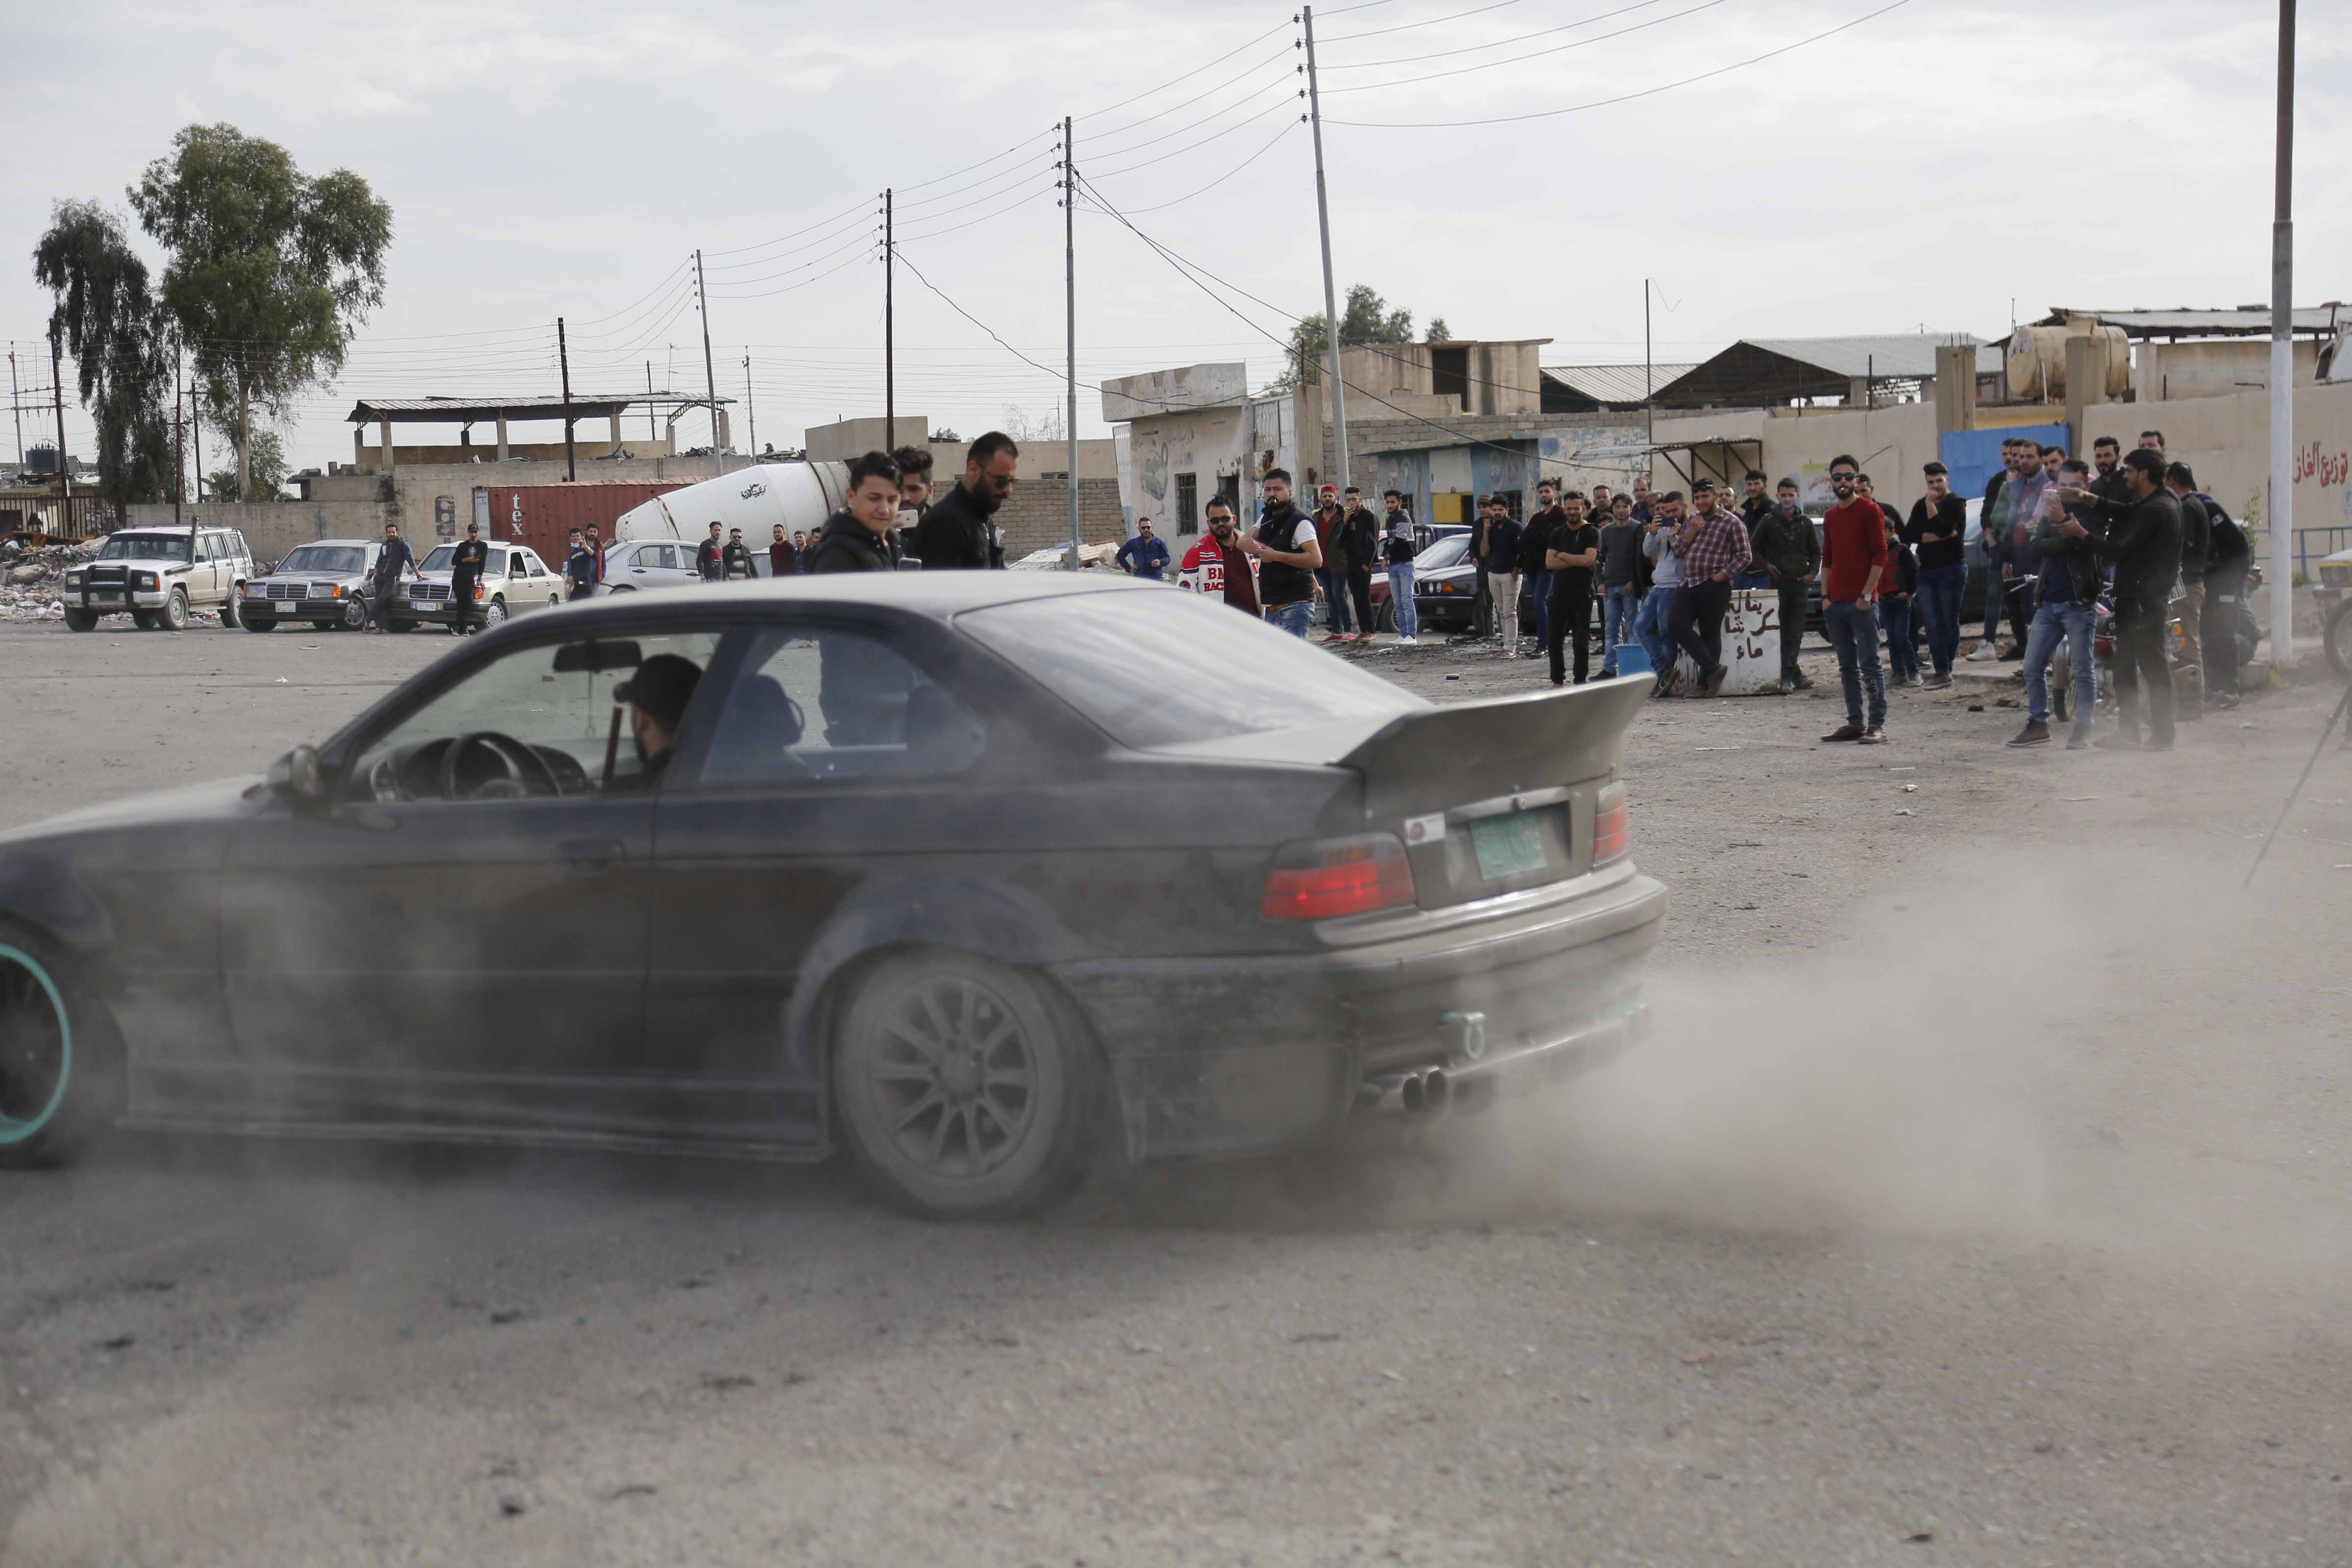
971, 873
1446, 588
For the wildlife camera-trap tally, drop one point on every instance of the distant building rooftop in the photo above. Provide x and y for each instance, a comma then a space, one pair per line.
2244, 321
1765, 372
472, 410
1572, 388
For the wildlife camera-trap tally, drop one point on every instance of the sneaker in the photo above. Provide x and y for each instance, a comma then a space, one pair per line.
1786, 685
2080, 740
1984, 654
1844, 732
1874, 735
1509, 652
1408, 640
2153, 746
2225, 700
1935, 682
2121, 741
1712, 681
1804, 682
2035, 733
1608, 674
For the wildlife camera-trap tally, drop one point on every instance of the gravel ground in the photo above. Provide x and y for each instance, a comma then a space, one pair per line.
1982, 1200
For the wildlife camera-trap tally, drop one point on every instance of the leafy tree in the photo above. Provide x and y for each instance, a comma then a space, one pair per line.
263, 468
105, 317
1439, 333
943, 435
271, 271
1367, 320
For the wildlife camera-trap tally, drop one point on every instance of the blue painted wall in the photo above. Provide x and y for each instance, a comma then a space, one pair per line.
1974, 456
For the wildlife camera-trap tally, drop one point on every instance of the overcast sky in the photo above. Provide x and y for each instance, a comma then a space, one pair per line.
1927, 167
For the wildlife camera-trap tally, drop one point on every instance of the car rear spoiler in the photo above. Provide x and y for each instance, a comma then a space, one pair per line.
1532, 741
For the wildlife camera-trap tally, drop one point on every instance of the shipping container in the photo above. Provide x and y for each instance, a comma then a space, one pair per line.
543, 516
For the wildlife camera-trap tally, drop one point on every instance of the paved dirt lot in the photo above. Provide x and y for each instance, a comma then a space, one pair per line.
1983, 1200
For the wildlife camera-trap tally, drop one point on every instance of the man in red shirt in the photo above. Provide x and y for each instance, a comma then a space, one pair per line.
1218, 565
1853, 558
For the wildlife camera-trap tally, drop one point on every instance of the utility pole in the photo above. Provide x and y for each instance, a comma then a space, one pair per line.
751, 418
889, 337
2282, 551
1649, 379
651, 433
17, 408
709, 375
1323, 221
179, 437
563, 358
1070, 303
196, 443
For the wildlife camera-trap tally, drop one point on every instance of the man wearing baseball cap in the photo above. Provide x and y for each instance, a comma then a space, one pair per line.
657, 695
466, 563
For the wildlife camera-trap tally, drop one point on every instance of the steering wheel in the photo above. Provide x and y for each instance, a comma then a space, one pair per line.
527, 772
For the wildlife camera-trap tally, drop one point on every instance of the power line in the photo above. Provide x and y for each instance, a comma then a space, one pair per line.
1203, 141
1409, 27
1622, 98
1281, 86
1281, 53
1522, 59
1164, 86
1499, 43
1288, 128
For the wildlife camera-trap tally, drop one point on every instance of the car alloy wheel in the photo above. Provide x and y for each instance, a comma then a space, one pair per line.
173, 616
36, 1057
493, 614
354, 613
964, 1086
2340, 640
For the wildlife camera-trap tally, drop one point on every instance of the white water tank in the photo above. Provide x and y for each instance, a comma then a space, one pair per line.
2036, 361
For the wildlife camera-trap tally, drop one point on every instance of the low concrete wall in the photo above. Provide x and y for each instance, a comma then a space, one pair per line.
273, 528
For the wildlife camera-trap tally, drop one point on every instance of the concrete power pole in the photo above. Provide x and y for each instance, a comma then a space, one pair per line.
564, 359
751, 418
889, 344
1070, 305
2282, 551
17, 408
1323, 221
58, 391
709, 374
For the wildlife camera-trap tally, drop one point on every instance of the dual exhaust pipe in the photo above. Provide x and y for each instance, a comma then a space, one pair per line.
1424, 1093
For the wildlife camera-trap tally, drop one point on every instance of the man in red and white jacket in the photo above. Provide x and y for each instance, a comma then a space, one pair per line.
1217, 565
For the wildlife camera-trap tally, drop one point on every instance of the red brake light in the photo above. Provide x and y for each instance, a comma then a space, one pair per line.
1338, 876
1612, 831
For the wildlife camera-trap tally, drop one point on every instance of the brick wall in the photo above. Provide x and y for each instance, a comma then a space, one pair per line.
1039, 514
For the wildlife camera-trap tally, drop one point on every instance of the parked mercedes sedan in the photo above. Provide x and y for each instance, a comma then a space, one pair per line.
973, 874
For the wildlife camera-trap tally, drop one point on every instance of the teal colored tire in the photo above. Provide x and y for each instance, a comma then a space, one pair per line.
48, 1088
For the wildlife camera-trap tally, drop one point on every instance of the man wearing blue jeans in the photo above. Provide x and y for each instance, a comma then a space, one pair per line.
1620, 556
1547, 517
1657, 543
1288, 555
1935, 531
1853, 559
1398, 544
2068, 575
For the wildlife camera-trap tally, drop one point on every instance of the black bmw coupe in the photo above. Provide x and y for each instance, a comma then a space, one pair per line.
979, 875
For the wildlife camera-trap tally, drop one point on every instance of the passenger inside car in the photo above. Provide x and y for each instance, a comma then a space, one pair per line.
658, 696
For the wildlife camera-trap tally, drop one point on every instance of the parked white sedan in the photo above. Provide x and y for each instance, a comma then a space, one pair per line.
632, 564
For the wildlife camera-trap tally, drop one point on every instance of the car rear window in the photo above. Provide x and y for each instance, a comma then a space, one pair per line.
1164, 666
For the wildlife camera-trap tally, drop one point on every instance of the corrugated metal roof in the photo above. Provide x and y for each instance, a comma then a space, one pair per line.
455, 410
1617, 382
1902, 354
2247, 320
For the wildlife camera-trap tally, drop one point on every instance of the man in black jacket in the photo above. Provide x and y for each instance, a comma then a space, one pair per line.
854, 539
959, 534
709, 557
466, 563
1937, 531
2226, 565
2196, 545
580, 567
1788, 550
390, 563
2142, 537
1360, 543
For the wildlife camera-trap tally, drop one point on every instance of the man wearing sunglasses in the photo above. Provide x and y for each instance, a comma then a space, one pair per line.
1853, 558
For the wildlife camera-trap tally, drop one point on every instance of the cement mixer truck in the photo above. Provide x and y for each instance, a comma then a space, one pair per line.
799, 496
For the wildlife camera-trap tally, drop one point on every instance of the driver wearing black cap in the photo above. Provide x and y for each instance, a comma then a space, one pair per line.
657, 695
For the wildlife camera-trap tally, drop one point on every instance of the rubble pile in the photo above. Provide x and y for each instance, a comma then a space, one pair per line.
32, 581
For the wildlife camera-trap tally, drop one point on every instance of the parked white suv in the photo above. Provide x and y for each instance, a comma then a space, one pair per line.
159, 576
329, 582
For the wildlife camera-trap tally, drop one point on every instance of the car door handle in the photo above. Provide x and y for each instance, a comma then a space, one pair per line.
590, 857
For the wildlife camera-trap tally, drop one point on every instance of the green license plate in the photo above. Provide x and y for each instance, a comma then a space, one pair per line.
1508, 846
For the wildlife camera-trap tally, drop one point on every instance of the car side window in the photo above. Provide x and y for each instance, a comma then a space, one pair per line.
544, 717
665, 556
812, 704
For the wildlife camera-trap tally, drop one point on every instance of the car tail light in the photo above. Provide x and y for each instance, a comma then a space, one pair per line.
1613, 830
1337, 877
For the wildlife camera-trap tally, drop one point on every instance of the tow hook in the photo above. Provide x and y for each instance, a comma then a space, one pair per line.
1464, 1035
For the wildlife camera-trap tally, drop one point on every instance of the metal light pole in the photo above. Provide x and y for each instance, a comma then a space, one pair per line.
179, 440
1070, 298
2282, 551
1323, 221
709, 375
751, 417
18, 409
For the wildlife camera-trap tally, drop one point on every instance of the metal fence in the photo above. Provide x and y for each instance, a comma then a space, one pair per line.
60, 516
2313, 543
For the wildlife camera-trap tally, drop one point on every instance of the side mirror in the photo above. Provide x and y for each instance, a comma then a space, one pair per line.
296, 775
